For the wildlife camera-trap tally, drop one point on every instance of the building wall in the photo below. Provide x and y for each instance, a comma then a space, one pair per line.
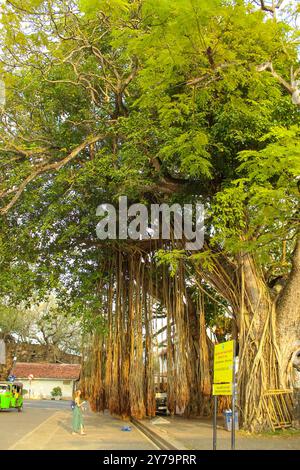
42, 388
2, 352
32, 353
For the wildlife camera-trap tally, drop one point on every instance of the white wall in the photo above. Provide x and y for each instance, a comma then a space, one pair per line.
41, 388
2, 352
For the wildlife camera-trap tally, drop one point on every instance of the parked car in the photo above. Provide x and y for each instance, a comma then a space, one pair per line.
161, 399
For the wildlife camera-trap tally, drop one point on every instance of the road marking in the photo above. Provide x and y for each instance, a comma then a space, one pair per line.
39, 427
51, 435
40, 437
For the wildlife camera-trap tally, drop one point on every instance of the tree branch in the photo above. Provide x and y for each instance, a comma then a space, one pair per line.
294, 275
208, 77
292, 87
269, 66
48, 167
271, 8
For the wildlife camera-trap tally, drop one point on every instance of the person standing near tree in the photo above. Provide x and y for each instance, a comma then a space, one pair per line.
77, 419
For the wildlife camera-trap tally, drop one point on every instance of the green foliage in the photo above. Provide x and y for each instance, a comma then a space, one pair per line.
257, 212
41, 322
171, 259
193, 107
56, 392
205, 258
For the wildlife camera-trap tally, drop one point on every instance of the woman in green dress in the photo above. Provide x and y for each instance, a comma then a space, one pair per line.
77, 421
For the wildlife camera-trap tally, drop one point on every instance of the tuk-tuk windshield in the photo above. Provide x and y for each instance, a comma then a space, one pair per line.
4, 388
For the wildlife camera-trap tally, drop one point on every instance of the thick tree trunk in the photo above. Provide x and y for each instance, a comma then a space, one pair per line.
200, 378
268, 335
288, 320
257, 345
269, 338
267, 329
201, 381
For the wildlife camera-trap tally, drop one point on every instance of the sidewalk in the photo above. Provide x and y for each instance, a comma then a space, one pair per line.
196, 434
103, 433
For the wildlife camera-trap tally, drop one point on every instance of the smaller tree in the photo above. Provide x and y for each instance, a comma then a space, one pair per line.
42, 323
56, 392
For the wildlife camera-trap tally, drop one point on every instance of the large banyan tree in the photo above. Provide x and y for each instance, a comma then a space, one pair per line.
164, 102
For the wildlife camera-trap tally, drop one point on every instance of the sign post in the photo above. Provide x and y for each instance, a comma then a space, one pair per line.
233, 408
2, 351
30, 378
215, 422
224, 383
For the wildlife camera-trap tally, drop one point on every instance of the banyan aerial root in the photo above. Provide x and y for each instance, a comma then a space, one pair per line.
127, 361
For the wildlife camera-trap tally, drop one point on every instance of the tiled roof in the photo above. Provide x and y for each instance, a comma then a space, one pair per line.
46, 371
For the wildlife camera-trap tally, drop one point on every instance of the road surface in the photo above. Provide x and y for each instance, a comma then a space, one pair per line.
46, 425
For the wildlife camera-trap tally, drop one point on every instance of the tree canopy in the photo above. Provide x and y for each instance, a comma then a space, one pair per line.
161, 101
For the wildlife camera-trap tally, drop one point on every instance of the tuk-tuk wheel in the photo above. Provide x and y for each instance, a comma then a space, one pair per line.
20, 409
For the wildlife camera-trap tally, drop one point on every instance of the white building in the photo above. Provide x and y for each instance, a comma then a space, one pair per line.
39, 379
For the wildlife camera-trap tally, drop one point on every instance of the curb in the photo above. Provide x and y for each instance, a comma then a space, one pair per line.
156, 436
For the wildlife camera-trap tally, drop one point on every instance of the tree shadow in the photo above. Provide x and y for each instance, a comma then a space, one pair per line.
65, 426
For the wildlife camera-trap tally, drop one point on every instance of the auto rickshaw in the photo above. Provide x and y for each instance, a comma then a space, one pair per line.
11, 396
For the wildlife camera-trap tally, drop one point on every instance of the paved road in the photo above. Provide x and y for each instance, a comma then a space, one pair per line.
48, 404
46, 424
15, 425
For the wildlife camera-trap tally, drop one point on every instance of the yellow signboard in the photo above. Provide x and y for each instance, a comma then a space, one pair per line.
223, 362
222, 389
